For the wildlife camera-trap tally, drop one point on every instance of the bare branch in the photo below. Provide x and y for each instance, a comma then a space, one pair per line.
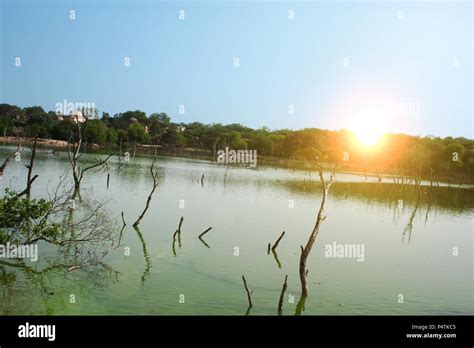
282, 295
154, 175
249, 293
312, 238
278, 241
202, 234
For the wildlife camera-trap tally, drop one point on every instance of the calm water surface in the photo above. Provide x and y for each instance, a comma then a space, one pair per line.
408, 250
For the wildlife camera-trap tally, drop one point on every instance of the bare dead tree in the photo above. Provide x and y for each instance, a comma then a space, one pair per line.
30, 179
73, 150
154, 176
282, 296
312, 238
86, 237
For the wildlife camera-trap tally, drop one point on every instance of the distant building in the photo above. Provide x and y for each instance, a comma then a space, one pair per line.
75, 116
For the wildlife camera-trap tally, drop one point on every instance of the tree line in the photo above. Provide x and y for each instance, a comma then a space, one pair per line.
397, 154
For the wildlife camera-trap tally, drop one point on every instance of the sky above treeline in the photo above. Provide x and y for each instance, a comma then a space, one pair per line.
401, 66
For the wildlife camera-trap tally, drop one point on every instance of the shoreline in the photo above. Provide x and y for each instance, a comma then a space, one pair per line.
201, 154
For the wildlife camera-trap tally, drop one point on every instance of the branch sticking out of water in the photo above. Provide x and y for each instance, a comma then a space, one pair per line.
202, 234
268, 248
174, 242
282, 296
249, 293
179, 231
312, 238
300, 305
278, 241
154, 175
123, 220
204, 242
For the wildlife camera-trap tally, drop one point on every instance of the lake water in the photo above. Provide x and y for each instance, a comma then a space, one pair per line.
247, 209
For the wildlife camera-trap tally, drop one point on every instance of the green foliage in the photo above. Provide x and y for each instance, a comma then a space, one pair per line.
111, 136
95, 132
307, 154
173, 138
398, 152
137, 134
61, 130
25, 219
159, 123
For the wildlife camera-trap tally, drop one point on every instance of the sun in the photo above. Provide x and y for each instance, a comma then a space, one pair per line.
367, 136
368, 130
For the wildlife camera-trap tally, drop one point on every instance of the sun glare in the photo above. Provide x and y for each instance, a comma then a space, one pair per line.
367, 136
368, 130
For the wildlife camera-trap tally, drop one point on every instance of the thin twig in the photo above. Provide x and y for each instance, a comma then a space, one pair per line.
249, 293
154, 175
123, 220
202, 234
278, 241
282, 295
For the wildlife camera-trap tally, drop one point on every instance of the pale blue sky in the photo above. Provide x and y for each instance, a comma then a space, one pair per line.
414, 74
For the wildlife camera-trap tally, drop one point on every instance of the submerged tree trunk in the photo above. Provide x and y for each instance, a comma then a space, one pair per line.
154, 176
282, 296
312, 238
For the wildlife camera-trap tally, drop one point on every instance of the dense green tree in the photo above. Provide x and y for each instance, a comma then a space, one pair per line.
174, 138
111, 136
95, 132
137, 134
158, 124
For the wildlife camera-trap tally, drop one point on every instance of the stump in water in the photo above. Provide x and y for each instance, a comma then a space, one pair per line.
154, 176
282, 296
179, 231
312, 238
249, 293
